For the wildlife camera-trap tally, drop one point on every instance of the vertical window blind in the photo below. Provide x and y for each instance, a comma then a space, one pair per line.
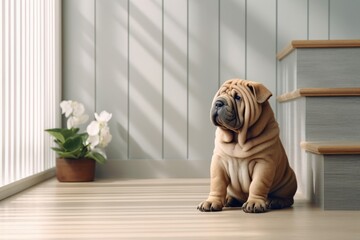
30, 86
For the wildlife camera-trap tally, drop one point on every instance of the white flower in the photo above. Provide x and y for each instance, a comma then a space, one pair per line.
93, 128
101, 140
105, 137
104, 117
78, 109
74, 111
74, 121
98, 131
93, 141
66, 107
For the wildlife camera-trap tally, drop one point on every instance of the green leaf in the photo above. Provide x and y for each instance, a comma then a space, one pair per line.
67, 155
73, 144
96, 156
57, 134
62, 134
84, 137
75, 130
84, 151
57, 150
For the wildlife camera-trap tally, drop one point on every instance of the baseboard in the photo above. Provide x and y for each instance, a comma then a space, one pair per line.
141, 169
20, 185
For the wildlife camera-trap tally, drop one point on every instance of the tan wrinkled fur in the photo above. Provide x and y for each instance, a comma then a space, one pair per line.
250, 164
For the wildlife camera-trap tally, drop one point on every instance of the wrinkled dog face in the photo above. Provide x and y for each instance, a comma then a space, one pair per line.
228, 110
236, 101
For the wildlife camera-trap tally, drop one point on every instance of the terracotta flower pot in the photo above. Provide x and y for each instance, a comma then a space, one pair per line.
75, 170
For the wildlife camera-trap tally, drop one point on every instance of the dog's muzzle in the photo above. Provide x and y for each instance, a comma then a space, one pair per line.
223, 114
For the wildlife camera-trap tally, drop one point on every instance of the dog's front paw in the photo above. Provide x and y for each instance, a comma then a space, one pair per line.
255, 206
210, 206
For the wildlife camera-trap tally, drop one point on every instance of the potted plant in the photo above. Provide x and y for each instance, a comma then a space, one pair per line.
77, 151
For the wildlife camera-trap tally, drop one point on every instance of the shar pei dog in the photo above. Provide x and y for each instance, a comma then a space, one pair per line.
249, 167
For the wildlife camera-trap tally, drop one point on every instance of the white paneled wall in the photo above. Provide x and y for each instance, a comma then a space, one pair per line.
111, 66
344, 19
203, 75
175, 77
156, 64
29, 87
145, 79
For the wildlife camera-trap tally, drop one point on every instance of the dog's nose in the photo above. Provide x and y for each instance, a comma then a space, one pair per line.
219, 103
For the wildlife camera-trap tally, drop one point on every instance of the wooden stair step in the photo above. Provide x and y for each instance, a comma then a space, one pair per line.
334, 170
317, 44
319, 92
332, 148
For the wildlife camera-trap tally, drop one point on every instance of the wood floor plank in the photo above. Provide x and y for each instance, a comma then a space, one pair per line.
156, 209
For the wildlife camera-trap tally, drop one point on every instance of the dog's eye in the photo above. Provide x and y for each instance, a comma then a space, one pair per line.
237, 97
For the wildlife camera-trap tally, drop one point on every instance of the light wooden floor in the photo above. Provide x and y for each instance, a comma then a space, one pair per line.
156, 209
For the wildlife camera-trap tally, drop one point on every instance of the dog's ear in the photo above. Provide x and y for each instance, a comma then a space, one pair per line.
260, 92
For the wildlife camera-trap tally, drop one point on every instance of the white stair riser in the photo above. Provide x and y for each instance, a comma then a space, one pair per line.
335, 181
320, 118
332, 118
320, 68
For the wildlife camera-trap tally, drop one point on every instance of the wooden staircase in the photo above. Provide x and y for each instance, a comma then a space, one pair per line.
319, 117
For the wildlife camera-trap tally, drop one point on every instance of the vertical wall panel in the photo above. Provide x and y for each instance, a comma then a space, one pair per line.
232, 39
27, 84
261, 44
79, 53
26, 90
145, 73
175, 79
318, 19
6, 111
2, 76
344, 19
203, 75
17, 85
36, 85
111, 71
292, 21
